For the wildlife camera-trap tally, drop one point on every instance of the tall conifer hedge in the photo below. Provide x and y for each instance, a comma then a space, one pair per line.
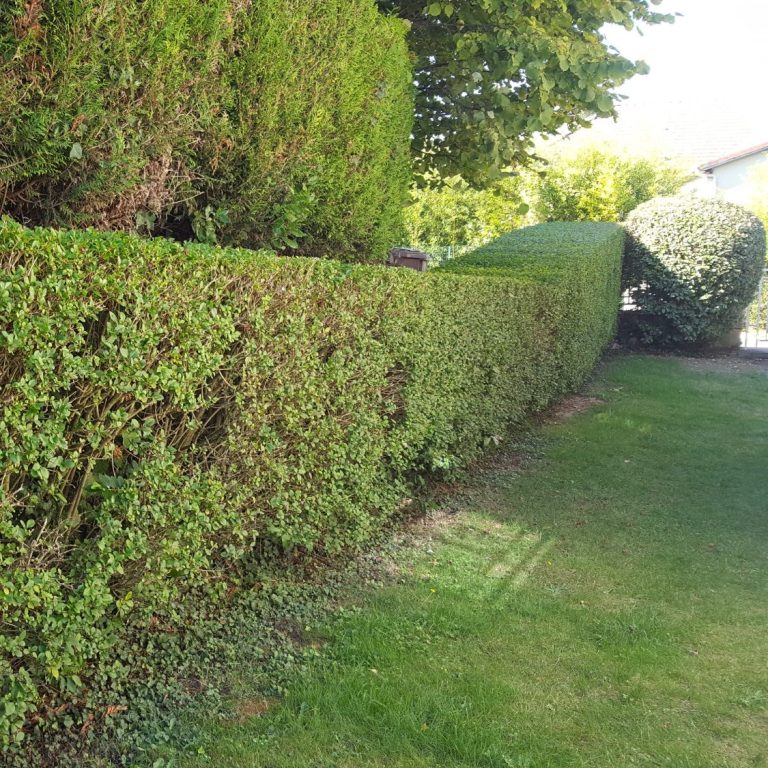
283, 123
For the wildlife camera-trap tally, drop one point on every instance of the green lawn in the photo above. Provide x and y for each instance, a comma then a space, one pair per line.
607, 605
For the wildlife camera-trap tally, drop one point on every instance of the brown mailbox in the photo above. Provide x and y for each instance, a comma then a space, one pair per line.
409, 258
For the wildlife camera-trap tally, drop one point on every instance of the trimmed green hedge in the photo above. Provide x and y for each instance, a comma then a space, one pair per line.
270, 123
692, 266
168, 409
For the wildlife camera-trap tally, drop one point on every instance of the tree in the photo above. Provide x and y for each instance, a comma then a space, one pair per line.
589, 183
450, 213
758, 192
491, 74
599, 184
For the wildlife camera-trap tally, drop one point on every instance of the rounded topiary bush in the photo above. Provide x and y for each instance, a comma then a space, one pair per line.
691, 265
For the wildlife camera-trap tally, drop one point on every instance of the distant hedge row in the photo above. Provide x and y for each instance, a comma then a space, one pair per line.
283, 123
165, 409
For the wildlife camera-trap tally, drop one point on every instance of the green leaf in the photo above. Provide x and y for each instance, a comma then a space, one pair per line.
76, 153
604, 102
505, 42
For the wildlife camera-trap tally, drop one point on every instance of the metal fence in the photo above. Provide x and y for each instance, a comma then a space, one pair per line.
755, 332
443, 253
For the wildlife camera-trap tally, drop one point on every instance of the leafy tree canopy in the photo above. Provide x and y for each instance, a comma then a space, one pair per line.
491, 74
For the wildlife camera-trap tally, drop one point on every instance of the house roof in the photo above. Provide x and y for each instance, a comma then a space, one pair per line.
756, 150
687, 130
690, 132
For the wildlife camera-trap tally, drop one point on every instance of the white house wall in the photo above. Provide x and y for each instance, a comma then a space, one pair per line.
735, 180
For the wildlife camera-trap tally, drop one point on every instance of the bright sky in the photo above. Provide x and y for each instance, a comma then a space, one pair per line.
716, 51
707, 93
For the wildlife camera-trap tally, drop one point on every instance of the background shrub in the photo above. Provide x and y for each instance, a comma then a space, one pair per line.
450, 212
692, 265
757, 185
271, 123
169, 410
595, 184
586, 185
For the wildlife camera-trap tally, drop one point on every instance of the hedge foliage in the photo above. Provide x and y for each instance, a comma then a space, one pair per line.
692, 266
275, 123
600, 184
169, 409
451, 213
588, 184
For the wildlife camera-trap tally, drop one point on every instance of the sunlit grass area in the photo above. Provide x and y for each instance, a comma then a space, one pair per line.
605, 604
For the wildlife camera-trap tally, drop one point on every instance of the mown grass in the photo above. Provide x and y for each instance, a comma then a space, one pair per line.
606, 605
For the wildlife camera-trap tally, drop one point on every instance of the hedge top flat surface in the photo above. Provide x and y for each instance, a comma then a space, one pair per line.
604, 607
541, 253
